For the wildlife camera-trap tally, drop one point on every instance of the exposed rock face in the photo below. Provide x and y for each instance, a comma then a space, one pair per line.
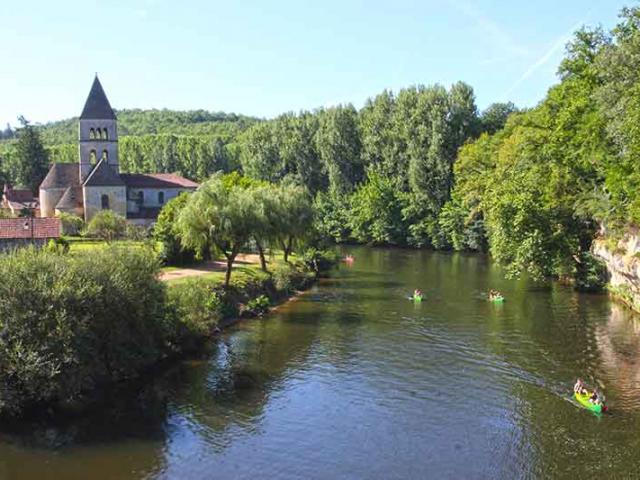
622, 260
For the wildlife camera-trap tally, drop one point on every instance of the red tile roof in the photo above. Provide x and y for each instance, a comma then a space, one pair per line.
29, 228
157, 180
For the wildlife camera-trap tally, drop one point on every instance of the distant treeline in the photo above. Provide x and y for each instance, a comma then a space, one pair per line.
146, 122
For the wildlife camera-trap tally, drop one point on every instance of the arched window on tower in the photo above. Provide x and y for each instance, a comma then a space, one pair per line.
105, 155
104, 201
160, 198
92, 134
106, 134
93, 158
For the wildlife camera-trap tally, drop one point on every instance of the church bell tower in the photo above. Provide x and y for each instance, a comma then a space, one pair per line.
98, 133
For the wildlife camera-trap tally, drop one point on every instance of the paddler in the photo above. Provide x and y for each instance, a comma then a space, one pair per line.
596, 398
417, 293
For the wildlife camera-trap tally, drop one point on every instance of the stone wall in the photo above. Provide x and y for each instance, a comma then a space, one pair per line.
93, 200
8, 244
150, 195
49, 198
622, 259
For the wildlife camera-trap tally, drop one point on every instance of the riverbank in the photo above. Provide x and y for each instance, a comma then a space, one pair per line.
75, 325
204, 306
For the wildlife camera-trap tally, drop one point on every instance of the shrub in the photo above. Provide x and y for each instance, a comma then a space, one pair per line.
319, 261
166, 232
288, 278
70, 323
196, 307
71, 224
136, 233
257, 306
107, 225
59, 246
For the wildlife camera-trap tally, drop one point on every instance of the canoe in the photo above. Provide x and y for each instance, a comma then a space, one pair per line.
583, 399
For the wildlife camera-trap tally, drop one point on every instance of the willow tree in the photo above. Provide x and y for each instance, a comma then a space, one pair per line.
219, 215
292, 216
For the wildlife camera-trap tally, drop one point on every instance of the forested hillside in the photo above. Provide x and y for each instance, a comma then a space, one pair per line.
147, 122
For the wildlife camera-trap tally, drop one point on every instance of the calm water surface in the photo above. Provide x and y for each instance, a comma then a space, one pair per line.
352, 380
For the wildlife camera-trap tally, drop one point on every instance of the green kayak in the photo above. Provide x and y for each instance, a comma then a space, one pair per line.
583, 399
499, 299
417, 298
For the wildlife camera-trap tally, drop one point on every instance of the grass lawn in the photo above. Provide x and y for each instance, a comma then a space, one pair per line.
79, 244
242, 270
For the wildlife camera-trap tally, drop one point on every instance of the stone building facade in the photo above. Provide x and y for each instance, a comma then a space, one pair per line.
95, 182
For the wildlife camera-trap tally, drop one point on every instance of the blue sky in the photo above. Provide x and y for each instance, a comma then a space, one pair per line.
265, 57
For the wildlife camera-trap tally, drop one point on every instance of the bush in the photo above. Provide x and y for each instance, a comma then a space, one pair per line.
71, 323
287, 278
58, 246
136, 233
257, 306
71, 224
319, 261
166, 232
107, 225
196, 307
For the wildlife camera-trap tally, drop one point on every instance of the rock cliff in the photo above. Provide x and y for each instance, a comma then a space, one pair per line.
622, 259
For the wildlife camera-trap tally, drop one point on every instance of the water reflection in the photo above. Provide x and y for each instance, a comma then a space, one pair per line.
354, 381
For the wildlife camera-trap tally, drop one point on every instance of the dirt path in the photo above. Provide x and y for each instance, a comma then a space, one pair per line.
208, 267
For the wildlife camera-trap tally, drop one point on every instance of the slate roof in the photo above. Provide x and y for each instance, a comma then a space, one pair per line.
103, 176
61, 175
97, 105
71, 199
156, 180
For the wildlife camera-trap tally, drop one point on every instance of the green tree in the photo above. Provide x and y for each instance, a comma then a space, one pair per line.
218, 215
167, 233
31, 160
495, 116
292, 216
338, 143
376, 212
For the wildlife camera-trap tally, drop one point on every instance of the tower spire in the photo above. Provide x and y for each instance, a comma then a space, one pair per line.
97, 105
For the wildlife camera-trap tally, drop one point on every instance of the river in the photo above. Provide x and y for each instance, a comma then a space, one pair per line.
353, 380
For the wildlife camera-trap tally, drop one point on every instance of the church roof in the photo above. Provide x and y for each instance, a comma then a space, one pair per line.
157, 180
97, 105
71, 199
61, 175
103, 176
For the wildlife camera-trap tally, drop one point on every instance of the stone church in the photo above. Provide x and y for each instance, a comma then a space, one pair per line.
95, 182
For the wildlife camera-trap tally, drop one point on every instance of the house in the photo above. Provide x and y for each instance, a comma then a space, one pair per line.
17, 202
95, 182
17, 232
